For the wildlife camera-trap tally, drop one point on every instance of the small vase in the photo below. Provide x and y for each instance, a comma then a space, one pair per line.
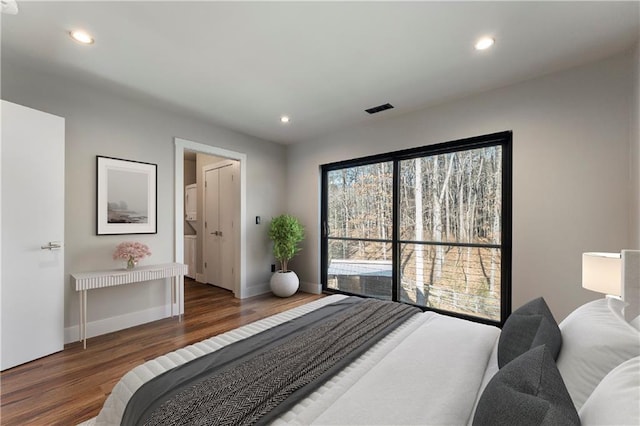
131, 263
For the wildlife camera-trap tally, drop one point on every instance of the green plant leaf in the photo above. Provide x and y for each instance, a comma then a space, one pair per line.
286, 232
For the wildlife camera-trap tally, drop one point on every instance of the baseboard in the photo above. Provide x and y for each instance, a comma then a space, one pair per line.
109, 325
265, 288
312, 288
201, 278
256, 290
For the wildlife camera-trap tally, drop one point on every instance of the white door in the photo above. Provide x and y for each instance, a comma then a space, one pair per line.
221, 204
32, 283
211, 255
227, 218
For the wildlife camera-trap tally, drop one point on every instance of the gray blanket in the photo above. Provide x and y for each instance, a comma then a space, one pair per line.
257, 379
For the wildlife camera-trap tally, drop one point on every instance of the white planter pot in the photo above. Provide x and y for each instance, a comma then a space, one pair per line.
284, 284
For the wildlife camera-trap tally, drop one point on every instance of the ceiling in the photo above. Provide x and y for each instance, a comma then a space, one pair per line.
244, 64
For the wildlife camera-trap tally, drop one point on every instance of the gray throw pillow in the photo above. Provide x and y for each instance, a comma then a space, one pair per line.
529, 326
527, 391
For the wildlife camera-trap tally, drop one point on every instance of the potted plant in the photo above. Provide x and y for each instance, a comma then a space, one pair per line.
286, 232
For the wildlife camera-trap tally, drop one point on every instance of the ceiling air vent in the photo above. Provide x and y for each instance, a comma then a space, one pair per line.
379, 108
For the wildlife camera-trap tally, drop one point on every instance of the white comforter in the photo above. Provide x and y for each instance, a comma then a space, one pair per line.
428, 371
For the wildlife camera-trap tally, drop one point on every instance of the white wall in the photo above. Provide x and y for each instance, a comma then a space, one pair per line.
103, 122
573, 133
570, 170
634, 157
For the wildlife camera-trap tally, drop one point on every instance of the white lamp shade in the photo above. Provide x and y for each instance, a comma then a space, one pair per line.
602, 272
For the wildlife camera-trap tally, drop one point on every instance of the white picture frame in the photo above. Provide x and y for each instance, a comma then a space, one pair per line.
127, 193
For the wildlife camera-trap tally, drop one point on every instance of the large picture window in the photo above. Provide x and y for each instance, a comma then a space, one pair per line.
429, 227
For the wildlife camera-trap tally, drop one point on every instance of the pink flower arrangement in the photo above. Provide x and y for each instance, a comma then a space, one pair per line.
131, 251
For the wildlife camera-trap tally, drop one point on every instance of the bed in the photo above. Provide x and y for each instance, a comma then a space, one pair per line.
438, 370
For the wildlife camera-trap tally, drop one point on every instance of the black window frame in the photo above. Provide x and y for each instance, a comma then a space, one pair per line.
503, 139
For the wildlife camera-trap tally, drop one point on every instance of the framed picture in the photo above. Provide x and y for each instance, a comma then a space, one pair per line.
127, 197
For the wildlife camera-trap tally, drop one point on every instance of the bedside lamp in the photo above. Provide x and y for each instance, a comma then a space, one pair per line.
602, 272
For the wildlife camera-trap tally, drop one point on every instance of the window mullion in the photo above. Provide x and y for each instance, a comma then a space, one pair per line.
324, 218
396, 232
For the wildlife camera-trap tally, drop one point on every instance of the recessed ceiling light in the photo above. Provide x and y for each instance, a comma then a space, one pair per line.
81, 37
284, 119
484, 43
9, 7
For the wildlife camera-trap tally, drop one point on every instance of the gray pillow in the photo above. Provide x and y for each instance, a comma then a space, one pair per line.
529, 326
527, 391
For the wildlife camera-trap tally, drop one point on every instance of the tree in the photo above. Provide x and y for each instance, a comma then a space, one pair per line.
443, 198
419, 234
438, 193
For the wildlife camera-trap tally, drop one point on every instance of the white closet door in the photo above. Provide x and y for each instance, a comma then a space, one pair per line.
32, 282
228, 217
222, 213
212, 227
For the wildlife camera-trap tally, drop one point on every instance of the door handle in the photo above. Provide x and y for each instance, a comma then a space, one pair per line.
53, 245
325, 229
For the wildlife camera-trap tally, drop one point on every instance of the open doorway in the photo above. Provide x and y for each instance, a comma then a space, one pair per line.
183, 146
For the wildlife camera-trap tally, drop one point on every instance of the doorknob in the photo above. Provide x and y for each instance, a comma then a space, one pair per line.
53, 245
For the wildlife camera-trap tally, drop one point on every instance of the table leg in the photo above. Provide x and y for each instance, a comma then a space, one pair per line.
173, 293
180, 284
84, 318
80, 307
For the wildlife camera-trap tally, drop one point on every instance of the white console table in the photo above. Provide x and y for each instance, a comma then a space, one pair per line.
90, 280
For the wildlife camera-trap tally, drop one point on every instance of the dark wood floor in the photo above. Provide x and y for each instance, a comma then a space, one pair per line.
70, 387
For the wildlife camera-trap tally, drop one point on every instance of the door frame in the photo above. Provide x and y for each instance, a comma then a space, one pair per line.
240, 285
